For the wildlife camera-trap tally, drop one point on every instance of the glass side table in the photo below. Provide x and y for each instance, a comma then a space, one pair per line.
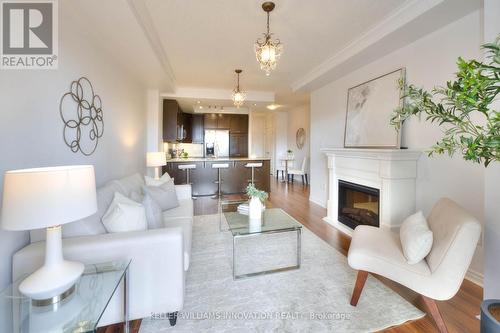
80, 312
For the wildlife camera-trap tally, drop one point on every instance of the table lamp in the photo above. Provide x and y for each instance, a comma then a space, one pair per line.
156, 160
47, 198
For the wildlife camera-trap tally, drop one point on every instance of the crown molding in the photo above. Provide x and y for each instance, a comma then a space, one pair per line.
143, 17
219, 94
410, 22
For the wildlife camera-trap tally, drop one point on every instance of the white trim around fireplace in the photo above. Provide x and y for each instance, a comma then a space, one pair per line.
392, 171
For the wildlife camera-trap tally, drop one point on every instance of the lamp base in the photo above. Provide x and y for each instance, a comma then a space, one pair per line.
56, 277
51, 284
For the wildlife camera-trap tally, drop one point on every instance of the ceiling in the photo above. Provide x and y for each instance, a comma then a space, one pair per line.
182, 47
206, 40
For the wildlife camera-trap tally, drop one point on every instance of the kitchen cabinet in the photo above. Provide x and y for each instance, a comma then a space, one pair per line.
238, 145
178, 126
186, 128
238, 123
171, 120
223, 120
197, 128
235, 178
210, 120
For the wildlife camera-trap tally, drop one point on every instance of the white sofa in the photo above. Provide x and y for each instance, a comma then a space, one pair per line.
159, 257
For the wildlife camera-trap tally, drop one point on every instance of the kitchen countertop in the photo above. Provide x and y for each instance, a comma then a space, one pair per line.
212, 159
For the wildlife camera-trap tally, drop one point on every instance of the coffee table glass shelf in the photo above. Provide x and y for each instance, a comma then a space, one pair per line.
274, 220
80, 312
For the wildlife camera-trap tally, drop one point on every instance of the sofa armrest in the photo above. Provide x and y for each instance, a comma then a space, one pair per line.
183, 192
156, 272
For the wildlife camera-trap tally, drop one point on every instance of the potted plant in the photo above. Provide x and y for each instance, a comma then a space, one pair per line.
256, 204
289, 154
464, 108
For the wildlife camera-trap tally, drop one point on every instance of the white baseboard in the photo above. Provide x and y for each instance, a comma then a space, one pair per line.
318, 202
475, 277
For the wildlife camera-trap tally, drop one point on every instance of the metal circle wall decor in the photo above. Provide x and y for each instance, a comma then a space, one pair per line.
81, 112
300, 137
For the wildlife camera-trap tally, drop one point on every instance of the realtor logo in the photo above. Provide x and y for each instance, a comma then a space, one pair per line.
29, 34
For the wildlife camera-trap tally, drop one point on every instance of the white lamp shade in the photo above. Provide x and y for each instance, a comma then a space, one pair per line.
45, 197
156, 159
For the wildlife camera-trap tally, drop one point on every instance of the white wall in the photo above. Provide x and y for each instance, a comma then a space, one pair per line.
299, 117
429, 61
492, 181
281, 135
31, 128
257, 134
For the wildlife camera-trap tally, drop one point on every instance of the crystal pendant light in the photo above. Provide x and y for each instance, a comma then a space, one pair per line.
267, 50
238, 95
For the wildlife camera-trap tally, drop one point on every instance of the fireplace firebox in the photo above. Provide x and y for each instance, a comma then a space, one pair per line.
358, 205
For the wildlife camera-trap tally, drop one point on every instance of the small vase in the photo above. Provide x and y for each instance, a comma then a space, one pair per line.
255, 209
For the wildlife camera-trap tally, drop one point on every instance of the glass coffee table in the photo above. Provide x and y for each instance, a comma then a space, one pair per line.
274, 220
80, 312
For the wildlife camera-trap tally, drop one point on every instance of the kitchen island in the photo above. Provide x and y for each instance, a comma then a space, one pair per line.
234, 179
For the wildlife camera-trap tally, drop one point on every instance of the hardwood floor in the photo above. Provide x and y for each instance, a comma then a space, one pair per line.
459, 313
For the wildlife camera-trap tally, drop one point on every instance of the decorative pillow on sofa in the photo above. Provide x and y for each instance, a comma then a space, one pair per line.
124, 214
150, 181
164, 195
154, 214
416, 238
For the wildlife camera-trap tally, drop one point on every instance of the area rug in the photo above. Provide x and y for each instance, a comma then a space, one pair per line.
314, 298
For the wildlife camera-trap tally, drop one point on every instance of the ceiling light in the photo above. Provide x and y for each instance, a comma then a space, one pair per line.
267, 50
254, 104
273, 106
238, 95
198, 102
200, 107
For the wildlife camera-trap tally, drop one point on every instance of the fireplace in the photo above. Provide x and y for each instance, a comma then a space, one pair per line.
358, 205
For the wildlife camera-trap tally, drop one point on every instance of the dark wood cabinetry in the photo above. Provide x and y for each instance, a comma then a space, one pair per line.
235, 123
190, 128
171, 120
223, 120
238, 145
187, 128
238, 124
197, 128
210, 120
235, 178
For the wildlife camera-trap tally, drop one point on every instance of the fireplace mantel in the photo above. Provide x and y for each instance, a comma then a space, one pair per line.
392, 171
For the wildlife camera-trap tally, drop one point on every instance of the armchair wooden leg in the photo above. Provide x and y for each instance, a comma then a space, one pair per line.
436, 315
358, 288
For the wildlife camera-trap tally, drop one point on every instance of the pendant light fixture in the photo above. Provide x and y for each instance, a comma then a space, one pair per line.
238, 95
267, 50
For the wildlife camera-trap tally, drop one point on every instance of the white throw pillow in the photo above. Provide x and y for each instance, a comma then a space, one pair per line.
154, 215
164, 195
124, 214
416, 238
150, 181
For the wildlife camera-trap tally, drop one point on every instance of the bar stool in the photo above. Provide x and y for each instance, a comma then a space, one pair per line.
253, 165
219, 166
188, 168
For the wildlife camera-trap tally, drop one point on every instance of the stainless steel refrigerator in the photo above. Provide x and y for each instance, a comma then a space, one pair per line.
216, 143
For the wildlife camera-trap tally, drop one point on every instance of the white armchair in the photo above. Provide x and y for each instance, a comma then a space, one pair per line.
439, 275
